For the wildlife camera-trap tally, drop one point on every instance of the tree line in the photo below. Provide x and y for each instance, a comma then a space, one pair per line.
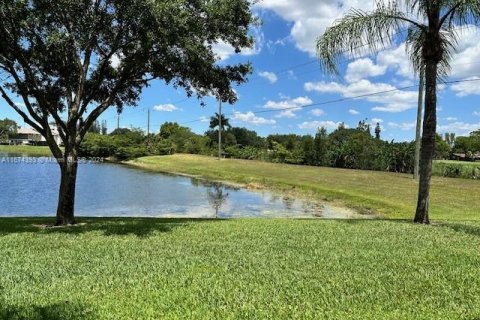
349, 148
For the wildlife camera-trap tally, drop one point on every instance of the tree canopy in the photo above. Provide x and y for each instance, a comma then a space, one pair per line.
70, 60
8, 128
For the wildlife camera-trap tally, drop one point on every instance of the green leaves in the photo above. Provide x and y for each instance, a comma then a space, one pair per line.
59, 55
430, 25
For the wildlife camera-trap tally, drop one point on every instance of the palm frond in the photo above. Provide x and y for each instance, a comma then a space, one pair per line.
359, 29
414, 46
460, 12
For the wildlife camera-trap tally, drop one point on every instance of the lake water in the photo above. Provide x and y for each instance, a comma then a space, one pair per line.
30, 188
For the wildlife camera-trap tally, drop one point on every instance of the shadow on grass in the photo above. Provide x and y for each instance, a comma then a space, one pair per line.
140, 227
57, 311
470, 229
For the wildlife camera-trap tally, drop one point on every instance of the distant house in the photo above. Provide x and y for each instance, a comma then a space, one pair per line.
466, 157
29, 136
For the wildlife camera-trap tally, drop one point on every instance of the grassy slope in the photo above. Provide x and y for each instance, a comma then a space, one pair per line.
278, 269
26, 150
393, 195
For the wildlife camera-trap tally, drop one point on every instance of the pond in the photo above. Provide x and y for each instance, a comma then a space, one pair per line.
29, 187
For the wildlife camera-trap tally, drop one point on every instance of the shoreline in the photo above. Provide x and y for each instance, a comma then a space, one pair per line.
289, 191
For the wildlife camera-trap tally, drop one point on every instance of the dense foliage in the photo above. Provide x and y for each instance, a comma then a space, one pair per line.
8, 128
350, 148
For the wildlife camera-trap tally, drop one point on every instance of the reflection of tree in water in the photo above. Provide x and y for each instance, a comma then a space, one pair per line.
217, 196
288, 202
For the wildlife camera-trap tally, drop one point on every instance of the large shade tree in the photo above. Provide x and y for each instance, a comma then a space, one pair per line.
68, 61
432, 32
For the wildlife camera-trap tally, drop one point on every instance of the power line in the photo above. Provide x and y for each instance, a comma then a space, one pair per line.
340, 99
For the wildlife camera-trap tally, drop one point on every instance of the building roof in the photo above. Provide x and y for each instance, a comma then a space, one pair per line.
27, 131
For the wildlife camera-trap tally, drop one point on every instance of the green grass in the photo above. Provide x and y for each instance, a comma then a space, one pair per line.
239, 269
26, 150
388, 194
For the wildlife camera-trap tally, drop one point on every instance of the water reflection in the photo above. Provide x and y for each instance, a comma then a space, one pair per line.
110, 190
217, 196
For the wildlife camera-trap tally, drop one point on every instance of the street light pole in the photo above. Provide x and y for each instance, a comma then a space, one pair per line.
418, 139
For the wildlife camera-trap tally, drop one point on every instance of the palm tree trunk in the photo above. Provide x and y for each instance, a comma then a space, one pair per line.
428, 142
66, 197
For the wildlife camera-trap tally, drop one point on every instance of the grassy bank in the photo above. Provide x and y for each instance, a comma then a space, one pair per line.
277, 269
26, 150
392, 195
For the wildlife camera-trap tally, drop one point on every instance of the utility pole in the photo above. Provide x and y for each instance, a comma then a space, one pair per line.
418, 139
148, 123
148, 129
219, 129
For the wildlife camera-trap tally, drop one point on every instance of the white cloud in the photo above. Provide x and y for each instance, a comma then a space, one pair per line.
286, 114
224, 50
476, 113
308, 125
115, 60
396, 59
292, 105
463, 89
377, 120
165, 107
291, 75
353, 111
405, 126
458, 127
317, 112
465, 60
390, 100
311, 18
451, 119
251, 118
363, 68
204, 119
270, 76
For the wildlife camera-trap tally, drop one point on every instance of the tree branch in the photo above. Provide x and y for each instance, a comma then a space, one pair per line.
24, 116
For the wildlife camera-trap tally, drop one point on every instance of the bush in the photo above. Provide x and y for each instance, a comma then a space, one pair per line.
465, 170
247, 153
127, 153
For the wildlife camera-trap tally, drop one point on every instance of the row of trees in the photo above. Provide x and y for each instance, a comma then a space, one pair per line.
355, 148
470, 146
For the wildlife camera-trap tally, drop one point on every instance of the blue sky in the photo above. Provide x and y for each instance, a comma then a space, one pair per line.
287, 75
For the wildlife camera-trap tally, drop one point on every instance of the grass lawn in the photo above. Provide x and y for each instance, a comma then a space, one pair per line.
26, 150
389, 194
255, 268
242, 269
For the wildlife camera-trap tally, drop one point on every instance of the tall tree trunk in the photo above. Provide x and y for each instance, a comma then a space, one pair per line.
428, 142
66, 197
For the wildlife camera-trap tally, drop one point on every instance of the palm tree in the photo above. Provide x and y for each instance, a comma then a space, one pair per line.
214, 122
431, 38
